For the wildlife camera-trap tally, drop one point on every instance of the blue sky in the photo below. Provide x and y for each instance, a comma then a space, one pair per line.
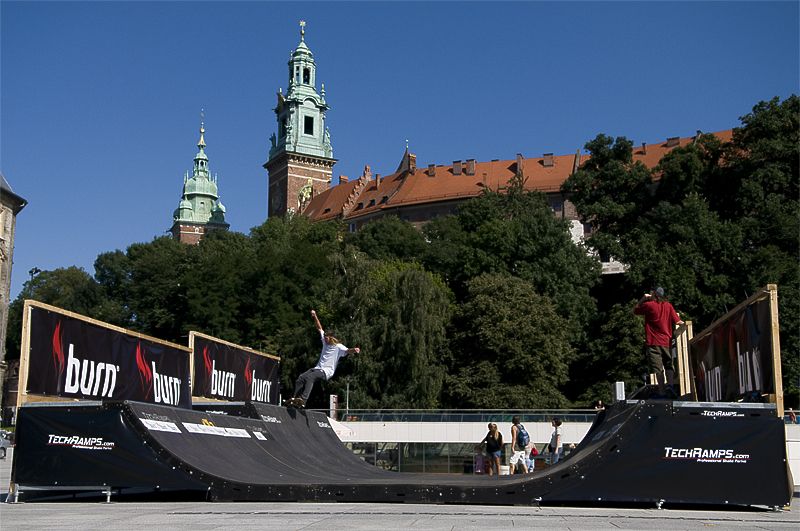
100, 102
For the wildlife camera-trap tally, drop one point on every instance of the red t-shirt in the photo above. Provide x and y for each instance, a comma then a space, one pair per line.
659, 320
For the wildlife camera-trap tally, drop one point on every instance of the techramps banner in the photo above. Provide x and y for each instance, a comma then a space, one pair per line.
648, 452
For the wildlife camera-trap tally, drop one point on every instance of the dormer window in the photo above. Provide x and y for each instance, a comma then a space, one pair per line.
307, 76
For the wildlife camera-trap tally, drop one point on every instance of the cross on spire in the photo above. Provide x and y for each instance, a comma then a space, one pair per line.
302, 30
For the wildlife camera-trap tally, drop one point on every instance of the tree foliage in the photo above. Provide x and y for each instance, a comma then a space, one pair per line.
511, 347
493, 306
712, 223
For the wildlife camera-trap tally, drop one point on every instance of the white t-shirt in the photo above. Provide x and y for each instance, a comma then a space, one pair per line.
330, 356
556, 438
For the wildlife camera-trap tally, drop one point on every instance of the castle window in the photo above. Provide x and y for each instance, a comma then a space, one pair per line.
308, 125
307, 76
371, 202
297, 74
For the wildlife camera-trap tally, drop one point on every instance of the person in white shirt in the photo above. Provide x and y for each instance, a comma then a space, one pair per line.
555, 445
332, 352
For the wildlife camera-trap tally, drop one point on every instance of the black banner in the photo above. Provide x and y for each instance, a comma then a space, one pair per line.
225, 372
734, 361
73, 358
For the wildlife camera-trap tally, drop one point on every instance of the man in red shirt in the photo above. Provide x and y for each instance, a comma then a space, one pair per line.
660, 319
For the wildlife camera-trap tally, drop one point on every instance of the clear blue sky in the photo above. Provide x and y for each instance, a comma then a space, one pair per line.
100, 102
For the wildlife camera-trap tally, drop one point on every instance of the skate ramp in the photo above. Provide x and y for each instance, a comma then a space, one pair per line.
635, 453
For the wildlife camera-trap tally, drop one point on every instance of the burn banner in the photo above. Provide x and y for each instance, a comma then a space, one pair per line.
225, 371
733, 360
73, 356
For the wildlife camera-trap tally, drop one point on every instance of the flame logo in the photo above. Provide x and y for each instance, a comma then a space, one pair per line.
209, 367
248, 379
145, 374
58, 353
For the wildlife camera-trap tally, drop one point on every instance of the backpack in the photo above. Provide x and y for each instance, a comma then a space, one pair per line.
523, 439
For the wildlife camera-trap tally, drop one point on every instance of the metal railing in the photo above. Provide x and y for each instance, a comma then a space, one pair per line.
464, 415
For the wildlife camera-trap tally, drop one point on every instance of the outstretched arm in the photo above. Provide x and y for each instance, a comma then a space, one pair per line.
316, 320
355, 350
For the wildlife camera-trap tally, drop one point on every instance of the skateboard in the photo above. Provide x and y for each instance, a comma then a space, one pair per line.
294, 402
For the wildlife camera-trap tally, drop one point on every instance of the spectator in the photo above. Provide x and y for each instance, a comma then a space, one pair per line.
493, 443
792, 416
599, 406
555, 447
519, 444
531, 460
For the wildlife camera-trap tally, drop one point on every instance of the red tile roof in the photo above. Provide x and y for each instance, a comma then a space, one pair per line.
365, 196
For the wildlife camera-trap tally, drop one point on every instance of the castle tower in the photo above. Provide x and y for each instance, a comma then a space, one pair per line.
300, 163
200, 209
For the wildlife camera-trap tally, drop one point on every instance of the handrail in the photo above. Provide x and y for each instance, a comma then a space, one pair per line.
464, 415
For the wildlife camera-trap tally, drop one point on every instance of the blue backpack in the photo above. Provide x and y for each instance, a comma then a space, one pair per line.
522, 437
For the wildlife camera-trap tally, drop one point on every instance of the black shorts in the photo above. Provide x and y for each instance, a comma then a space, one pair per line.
659, 358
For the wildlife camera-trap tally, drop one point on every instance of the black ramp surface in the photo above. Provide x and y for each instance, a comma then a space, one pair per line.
637, 452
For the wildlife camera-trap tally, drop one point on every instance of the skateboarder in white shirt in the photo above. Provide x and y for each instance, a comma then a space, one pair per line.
332, 352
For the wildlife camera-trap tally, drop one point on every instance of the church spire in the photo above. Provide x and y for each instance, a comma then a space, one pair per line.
199, 209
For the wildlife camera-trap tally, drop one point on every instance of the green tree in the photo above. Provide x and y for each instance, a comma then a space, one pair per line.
514, 232
511, 348
69, 288
389, 238
398, 314
615, 354
219, 277
713, 222
158, 300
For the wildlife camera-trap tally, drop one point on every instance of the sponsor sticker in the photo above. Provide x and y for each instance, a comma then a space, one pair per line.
260, 436
81, 443
323, 424
216, 430
705, 455
160, 425
268, 418
722, 414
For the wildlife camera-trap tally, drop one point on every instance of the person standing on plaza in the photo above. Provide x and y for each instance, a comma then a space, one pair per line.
660, 319
493, 443
519, 444
332, 352
556, 444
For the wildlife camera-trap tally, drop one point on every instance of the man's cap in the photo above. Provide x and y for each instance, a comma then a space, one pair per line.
660, 291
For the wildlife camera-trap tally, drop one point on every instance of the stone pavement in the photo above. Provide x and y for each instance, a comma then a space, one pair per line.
332, 516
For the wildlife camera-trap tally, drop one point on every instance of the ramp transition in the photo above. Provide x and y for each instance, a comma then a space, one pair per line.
645, 452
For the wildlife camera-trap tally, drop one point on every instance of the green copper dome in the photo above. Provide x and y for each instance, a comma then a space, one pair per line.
200, 198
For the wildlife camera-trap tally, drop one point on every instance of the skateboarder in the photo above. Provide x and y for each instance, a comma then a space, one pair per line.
332, 352
660, 319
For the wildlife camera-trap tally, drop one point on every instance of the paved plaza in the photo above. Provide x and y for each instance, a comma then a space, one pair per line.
329, 516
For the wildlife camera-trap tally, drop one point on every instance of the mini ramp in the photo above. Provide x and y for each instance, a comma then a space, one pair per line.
647, 452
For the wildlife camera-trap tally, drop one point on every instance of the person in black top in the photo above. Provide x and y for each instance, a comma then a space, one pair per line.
494, 446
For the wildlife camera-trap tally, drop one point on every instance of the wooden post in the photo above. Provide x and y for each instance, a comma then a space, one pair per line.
24, 355
775, 343
684, 373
